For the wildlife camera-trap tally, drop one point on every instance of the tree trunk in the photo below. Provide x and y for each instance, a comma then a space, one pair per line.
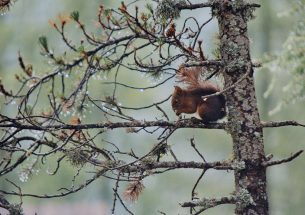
245, 127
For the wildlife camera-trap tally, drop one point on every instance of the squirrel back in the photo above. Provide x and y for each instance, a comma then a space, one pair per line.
189, 100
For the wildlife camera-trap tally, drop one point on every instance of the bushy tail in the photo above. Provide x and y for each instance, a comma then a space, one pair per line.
192, 79
190, 76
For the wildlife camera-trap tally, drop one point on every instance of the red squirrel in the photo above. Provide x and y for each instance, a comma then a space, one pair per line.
189, 100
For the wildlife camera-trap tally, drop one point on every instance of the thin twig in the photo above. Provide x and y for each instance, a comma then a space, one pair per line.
115, 192
194, 146
194, 188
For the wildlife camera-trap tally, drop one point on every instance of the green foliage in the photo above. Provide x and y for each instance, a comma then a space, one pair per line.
291, 60
154, 74
81, 48
44, 43
167, 9
77, 157
150, 8
75, 16
107, 12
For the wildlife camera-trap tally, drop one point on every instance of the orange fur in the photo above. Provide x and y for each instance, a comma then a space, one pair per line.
189, 100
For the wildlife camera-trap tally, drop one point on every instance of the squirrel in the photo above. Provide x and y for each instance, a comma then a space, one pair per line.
189, 100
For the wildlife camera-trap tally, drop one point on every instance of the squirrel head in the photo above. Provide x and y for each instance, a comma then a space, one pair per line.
178, 90
183, 101
176, 97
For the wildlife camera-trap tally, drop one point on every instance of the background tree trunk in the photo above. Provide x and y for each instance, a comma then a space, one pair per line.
245, 127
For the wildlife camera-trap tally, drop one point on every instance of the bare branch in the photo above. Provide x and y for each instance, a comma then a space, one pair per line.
286, 160
206, 4
144, 166
194, 6
207, 63
187, 123
207, 203
194, 193
62, 194
271, 124
195, 148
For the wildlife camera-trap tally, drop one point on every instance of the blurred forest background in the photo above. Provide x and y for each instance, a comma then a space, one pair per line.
28, 19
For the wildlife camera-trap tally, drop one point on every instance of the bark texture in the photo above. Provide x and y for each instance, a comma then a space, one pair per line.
244, 126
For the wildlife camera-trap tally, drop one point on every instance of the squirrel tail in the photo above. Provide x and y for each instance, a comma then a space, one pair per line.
192, 78
189, 76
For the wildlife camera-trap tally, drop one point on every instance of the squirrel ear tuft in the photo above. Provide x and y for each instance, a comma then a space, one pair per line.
178, 89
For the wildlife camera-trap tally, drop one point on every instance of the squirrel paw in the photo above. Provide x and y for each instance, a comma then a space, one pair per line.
194, 119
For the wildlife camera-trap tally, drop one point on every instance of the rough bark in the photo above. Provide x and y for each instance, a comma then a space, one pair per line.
245, 127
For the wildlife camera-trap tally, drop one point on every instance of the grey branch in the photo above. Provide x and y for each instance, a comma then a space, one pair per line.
144, 166
286, 160
206, 63
206, 4
281, 124
189, 123
207, 203
242, 197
